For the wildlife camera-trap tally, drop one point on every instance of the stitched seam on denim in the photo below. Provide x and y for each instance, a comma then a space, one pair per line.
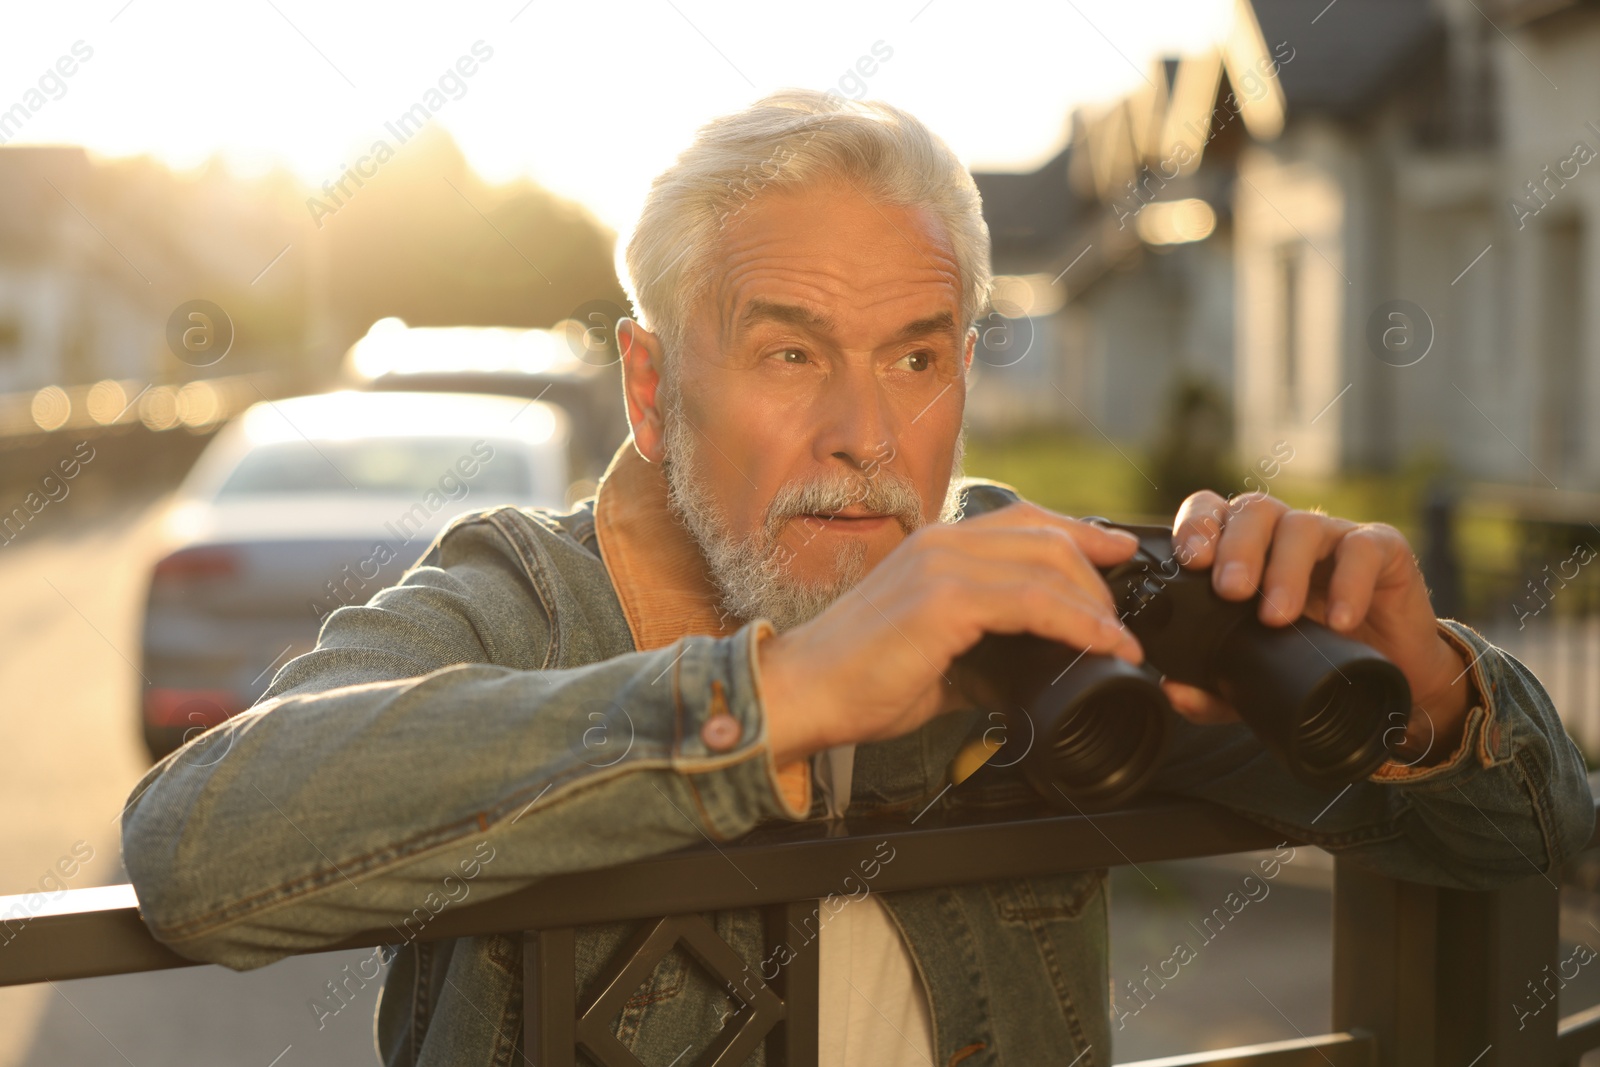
537, 578
421, 999
1071, 908
583, 531
774, 782
1487, 690
950, 903
644, 999
1478, 716
486, 519
1477, 720
630, 1018
671, 985
582, 774
916, 965
506, 951
508, 1032
677, 718
1052, 963
758, 751
1539, 795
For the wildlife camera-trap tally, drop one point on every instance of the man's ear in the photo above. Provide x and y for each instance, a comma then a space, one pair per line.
972, 346
641, 378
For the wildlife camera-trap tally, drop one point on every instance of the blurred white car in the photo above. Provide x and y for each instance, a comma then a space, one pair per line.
300, 506
572, 365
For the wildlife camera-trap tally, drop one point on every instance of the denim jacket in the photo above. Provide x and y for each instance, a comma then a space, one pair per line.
441, 742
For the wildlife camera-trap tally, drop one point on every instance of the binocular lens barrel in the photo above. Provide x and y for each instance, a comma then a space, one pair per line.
1324, 704
1090, 728
1086, 729
1099, 748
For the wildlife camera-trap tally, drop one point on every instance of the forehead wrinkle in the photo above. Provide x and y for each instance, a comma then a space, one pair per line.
824, 277
926, 242
820, 284
828, 324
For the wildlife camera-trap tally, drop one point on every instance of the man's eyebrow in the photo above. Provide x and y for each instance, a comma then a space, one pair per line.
792, 314
943, 322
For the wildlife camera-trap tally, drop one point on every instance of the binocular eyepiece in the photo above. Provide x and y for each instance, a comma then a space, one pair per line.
1093, 725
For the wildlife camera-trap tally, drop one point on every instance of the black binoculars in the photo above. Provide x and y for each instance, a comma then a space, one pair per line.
1092, 726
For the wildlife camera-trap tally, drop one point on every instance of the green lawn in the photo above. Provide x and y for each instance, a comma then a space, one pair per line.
1088, 476
1072, 475
1079, 475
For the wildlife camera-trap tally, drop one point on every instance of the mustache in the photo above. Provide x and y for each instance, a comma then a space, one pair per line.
884, 492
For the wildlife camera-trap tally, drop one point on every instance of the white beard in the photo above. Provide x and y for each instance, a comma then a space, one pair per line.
752, 574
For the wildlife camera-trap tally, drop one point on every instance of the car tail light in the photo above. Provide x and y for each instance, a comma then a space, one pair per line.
190, 707
198, 564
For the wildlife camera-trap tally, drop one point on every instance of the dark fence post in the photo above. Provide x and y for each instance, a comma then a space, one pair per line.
1384, 963
1440, 564
793, 1043
1494, 951
549, 997
1445, 977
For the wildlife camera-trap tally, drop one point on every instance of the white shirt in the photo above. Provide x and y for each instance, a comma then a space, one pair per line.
873, 1008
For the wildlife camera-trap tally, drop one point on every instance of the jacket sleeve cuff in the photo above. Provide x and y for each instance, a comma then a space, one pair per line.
1483, 730
721, 743
793, 779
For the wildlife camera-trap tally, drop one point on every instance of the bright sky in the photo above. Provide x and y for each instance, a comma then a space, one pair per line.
590, 98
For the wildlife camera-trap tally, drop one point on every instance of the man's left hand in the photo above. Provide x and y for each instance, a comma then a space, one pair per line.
1359, 579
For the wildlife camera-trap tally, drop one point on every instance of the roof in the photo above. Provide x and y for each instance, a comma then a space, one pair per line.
1350, 54
1028, 213
1337, 58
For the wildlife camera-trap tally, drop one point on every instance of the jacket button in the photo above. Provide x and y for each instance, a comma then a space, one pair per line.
721, 732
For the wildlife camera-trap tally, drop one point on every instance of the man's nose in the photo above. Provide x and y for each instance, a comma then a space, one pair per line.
857, 420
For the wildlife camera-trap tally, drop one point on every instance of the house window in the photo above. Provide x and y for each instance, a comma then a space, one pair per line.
1559, 426
10, 338
1288, 345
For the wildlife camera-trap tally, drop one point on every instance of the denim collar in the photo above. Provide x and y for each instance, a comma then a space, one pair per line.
659, 573
657, 569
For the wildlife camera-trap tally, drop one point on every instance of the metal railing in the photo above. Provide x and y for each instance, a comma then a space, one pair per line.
1423, 975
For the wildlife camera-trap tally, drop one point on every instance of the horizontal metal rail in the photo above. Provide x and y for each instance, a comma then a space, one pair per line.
1422, 974
90, 932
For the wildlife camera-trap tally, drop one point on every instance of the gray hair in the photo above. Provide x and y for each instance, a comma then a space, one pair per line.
788, 139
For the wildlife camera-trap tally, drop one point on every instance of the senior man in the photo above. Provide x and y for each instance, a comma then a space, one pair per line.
777, 570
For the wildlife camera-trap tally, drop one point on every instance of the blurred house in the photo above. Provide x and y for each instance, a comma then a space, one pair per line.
97, 256
71, 307
1367, 223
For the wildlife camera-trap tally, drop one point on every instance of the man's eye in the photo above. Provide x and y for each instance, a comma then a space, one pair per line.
918, 361
791, 355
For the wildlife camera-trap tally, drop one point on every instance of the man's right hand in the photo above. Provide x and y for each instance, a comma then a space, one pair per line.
873, 665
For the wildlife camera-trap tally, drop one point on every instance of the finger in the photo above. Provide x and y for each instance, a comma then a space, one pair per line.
1360, 558
1197, 705
1300, 540
989, 576
1006, 596
1103, 546
1070, 618
1241, 552
1041, 549
1197, 526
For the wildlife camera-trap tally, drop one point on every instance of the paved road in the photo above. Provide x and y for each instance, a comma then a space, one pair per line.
70, 596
